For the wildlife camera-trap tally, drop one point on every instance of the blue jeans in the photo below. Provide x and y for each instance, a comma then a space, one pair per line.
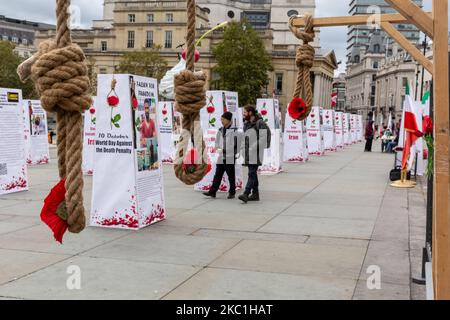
252, 183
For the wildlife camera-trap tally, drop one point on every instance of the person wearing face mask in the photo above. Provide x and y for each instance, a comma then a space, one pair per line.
148, 128
257, 137
227, 146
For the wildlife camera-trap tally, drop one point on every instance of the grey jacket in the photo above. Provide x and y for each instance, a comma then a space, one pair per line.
229, 145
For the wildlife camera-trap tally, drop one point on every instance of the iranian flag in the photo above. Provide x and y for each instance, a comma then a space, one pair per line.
411, 130
334, 97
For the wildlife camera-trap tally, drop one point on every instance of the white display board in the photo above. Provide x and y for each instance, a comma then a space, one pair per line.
359, 128
338, 129
167, 125
13, 166
314, 129
90, 118
295, 140
353, 128
36, 132
269, 110
217, 102
128, 177
329, 137
346, 129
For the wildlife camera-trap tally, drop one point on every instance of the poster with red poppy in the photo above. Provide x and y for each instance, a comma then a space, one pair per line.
13, 166
329, 136
295, 145
128, 180
36, 133
167, 126
90, 118
353, 128
270, 113
338, 130
359, 128
346, 129
315, 133
217, 102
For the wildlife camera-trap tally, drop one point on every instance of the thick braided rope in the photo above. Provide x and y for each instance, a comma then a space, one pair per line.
190, 98
304, 60
60, 74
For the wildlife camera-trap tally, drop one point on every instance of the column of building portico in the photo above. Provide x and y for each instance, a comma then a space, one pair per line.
316, 89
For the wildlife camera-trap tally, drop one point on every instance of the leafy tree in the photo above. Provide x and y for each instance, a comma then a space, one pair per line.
243, 64
9, 61
147, 63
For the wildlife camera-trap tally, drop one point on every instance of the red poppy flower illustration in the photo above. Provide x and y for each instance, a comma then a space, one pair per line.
297, 109
54, 212
210, 109
264, 112
196, 54
113, 101
164, 112
134, 103
92, 110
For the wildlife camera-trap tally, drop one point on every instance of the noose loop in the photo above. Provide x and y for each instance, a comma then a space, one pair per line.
190, 97
60, 74
304, 60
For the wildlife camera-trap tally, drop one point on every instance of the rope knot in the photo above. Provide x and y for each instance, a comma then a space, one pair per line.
190, 93
305, 56
61, 77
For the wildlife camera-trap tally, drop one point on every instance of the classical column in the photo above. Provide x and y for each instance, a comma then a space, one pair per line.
316, 88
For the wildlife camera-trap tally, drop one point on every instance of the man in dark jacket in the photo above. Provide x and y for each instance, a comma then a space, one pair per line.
369, 135
256, 139
227, 145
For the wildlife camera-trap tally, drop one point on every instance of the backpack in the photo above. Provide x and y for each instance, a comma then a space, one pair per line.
262, 125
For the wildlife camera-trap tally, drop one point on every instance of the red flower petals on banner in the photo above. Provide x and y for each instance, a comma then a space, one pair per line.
54, 211
164, 112
210, 109
113, 101
196, 54
264, 113
427, 125
297, 108
134, 103
92, 110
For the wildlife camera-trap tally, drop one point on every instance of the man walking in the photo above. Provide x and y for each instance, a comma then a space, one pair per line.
369, 135
228, 146
256, 139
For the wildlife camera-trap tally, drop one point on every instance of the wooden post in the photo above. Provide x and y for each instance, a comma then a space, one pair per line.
441, 209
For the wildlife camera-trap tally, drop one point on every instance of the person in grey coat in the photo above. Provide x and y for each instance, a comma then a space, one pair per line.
227, 145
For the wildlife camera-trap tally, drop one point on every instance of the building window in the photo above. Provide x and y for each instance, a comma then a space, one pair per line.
230, 14
404, 82
15, 39
150, 18
130, 39
149, 42
279, 83
104, 46
131, 18
169, 17
375, 65
291, 13
102, 71
168, 40
376, 48
24, 41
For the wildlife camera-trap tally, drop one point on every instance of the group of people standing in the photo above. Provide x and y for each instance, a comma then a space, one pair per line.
389, 136
231, 144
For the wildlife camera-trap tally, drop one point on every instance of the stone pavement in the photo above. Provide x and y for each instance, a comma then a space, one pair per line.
316, 231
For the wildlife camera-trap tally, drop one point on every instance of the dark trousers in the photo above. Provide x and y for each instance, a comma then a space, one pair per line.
220, 170
252, 183
369, 144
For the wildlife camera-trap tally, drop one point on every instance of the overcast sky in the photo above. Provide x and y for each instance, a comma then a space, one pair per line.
43, 11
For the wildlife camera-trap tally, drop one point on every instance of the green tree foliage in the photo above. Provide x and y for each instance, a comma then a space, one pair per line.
243, 64
147, 63
9, 61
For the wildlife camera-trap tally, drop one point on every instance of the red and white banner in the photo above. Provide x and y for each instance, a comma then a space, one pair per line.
346, 129
270, 111
90, 118
168, 126
314, 130
13, 166
334, 98
338, 129
37, 133
295, 140
128, 177
329, 136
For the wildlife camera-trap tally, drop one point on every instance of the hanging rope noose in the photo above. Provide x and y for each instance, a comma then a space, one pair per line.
190, 97
304, 60
60, 74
